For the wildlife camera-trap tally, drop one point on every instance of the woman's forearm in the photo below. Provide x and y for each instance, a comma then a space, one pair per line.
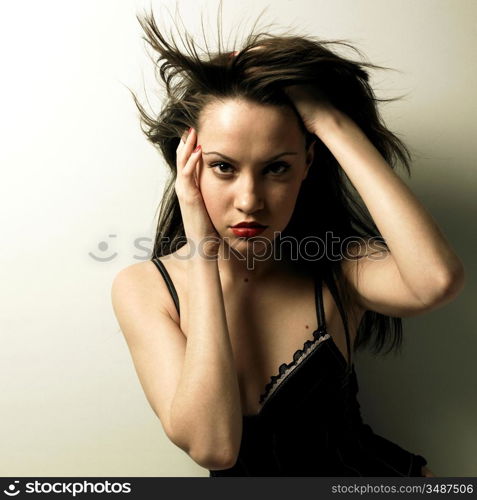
206, 412
426, 261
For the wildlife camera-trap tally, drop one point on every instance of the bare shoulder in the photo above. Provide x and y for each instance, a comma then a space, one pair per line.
143, 282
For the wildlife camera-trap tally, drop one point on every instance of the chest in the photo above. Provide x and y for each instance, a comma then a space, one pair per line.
266, 328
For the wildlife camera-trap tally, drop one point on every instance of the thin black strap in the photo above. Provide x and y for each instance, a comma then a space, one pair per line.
320, 312
170, 285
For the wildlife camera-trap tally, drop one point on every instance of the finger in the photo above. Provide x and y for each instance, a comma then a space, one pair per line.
188, 174
185, 150
182, 140
191, 163
185, 135
198, 169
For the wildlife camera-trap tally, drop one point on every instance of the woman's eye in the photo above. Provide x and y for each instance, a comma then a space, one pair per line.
222, 167
279, 168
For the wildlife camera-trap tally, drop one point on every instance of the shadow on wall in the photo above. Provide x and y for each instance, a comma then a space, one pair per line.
425, 399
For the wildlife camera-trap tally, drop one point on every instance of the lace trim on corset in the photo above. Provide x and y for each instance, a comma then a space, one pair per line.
286, 368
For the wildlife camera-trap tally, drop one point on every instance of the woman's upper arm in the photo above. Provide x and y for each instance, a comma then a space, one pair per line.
376, 285
156, 342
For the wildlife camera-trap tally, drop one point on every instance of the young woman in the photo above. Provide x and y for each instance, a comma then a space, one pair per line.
241, 332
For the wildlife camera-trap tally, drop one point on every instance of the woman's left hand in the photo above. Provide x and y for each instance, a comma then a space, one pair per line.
312, 105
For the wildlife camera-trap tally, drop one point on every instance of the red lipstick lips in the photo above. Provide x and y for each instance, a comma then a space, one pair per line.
249, 224
248, 229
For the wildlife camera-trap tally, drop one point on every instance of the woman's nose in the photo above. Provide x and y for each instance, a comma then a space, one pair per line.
248, 197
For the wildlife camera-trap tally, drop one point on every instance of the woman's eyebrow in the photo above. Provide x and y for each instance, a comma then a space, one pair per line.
266, 161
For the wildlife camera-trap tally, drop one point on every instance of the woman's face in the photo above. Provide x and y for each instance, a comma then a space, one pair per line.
253, 163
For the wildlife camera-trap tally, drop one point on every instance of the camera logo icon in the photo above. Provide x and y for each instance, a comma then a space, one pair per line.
12, 491
103, 246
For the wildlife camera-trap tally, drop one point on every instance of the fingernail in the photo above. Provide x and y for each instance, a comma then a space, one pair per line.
197, 149
190, 130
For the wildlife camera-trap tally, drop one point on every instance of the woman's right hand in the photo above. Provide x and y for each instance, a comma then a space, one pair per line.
197, 224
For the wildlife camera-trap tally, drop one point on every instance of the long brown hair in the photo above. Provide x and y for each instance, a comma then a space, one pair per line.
193, 78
